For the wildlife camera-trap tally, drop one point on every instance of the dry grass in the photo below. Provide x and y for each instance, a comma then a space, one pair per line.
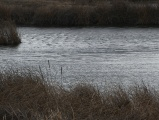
81, 12
27, 96
8, 34
4, 12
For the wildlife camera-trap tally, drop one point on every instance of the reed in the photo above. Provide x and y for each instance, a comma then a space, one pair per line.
26, 95
81, 12
4, 12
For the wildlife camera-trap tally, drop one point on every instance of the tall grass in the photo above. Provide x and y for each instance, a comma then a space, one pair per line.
4, 12
81, 12
8, 34
27, 96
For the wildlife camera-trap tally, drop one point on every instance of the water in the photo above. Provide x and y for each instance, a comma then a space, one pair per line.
122, 55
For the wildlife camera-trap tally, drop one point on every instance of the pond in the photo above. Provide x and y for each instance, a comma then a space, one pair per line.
97, 55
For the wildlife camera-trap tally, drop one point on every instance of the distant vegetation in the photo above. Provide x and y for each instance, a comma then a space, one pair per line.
27, 96
81, 12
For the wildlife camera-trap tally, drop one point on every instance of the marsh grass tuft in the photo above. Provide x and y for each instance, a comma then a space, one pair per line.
8, 34
28, 96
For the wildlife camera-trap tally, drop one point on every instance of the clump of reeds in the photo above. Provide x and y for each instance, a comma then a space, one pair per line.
8, 34
27, 96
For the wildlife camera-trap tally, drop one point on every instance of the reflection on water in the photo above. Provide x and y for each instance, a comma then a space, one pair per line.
93, 54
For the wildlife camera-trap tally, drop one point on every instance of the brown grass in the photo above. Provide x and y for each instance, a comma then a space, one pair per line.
27, 96
8, 34
81, 12
4, 12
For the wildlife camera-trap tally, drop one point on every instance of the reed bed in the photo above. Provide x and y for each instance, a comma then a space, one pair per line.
81, 12
27, 96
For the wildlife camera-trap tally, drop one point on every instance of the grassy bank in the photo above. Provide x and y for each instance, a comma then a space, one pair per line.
81, 12
27, 96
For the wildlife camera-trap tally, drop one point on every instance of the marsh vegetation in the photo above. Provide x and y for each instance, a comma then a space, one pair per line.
8, 34
29, 96
82, 12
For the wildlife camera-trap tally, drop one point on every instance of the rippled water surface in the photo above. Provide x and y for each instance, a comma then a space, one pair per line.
94, 54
